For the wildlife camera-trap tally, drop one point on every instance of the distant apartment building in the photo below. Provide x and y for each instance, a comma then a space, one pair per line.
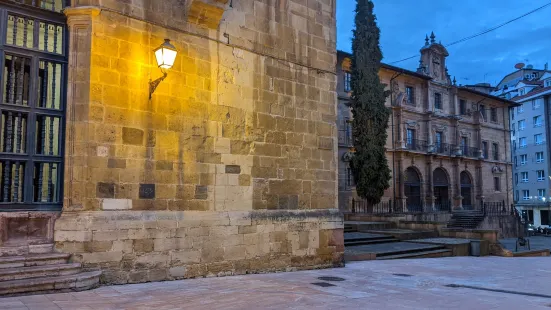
530, 132
448, 146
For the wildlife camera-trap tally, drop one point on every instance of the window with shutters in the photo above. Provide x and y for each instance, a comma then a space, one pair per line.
33, 54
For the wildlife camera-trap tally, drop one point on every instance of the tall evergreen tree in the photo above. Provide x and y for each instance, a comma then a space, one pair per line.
369, 127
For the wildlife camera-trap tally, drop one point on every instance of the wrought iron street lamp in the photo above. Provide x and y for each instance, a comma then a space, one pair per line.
165, 56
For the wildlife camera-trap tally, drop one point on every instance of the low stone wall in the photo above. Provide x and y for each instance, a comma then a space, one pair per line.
131, 246
507, 226
479, 234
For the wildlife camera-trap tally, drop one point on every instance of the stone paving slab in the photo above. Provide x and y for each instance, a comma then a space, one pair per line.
394, 284
358, 235
536, 243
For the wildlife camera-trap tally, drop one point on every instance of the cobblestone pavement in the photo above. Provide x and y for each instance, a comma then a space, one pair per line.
494, 283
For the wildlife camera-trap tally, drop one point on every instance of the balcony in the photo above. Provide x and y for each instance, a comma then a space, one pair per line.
472, 152
345, 137
417, 145
444, 149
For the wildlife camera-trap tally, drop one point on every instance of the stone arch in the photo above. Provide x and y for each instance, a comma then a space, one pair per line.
413, 188
467, 187
441, 188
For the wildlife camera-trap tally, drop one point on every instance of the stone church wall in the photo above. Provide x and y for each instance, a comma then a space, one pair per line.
230, 168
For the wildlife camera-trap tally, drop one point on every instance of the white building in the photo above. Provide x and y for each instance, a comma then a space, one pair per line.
530, 133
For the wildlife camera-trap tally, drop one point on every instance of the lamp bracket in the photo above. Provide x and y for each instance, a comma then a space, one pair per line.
154, 84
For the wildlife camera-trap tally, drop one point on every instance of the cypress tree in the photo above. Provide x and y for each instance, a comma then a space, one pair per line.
369, 126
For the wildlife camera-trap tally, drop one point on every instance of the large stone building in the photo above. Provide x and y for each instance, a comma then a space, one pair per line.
531, 89
448, 146
229, 167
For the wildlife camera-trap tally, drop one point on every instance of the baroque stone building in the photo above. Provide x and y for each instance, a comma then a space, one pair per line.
229, 167
448, 146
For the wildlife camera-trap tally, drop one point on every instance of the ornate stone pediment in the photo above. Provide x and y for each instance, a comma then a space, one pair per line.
497, 169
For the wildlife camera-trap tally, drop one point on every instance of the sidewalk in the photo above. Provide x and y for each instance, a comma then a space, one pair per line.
495, 283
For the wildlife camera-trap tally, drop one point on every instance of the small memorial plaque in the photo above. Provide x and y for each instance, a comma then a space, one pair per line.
147, 191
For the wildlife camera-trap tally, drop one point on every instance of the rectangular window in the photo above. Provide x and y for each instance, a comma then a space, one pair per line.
538, 139
541, 175
410, 138
548, 83
347, 81
539, 157
522, 142
438, 139
516, 195
523, 159
438, 101
521, 125
538, 121
495, 151
516, 178
524, 177
465, 145
535, 104
410, 95
483, 112
493, 114
349, 177
541, 193
544, 216
513, 129
497, 184
529, 215
520, 109
462, 107
485, 150
525, 194
516, 162
514, 144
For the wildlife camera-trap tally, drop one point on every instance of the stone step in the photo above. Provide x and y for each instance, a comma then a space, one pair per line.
75, 282
366, 242
375, 251
18, 273
424, 254
33, 260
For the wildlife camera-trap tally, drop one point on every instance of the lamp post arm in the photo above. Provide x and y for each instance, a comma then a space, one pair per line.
154, 84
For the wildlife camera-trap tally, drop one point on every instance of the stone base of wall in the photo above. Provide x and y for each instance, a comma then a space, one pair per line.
142, 246
23, 233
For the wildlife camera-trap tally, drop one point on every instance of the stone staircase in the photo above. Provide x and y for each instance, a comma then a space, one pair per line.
361, 246
468, 219
43, 273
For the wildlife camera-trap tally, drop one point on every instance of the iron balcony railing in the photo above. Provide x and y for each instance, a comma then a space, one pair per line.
470, 151
444, 149
417, 145
345, 137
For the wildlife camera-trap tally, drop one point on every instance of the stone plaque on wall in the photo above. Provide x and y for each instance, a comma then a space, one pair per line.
147, 191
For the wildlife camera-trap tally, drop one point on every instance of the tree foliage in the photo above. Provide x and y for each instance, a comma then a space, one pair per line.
369, 126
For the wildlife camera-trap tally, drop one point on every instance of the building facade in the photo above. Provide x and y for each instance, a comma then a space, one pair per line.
448, 146
531, 89
229, 167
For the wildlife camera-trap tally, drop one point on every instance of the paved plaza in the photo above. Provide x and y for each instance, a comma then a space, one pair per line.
536, 243
483, 283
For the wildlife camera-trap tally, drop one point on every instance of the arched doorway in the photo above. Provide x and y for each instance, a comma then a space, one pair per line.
441, 186
412, 189
466, 190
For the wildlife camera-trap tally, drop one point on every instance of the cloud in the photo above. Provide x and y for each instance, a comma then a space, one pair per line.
404, 24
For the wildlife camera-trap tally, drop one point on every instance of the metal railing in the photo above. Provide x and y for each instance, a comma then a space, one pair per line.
417, 145
444, 148
470, 151
499, 208
362, 206
345, 137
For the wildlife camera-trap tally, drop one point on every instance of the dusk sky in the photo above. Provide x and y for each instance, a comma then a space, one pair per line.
488, 58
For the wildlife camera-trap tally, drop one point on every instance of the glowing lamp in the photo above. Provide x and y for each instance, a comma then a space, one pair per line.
165, 56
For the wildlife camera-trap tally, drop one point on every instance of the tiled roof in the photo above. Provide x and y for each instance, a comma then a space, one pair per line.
536, 91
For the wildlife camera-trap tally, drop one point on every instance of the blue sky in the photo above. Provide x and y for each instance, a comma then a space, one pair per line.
488, 58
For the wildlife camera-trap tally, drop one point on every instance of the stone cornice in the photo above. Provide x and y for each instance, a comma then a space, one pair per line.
82, 11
